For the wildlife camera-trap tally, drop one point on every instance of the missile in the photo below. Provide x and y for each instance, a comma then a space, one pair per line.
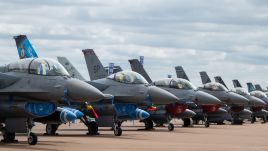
66, 115
77, 113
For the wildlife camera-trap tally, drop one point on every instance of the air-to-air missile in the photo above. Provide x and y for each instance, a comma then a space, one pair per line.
184, 90
256, 105
234, 103
261, 95
31, 89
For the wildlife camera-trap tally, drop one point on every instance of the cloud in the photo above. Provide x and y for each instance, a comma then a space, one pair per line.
223, 37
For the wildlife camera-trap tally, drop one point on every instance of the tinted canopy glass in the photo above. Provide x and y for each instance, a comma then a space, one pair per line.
215, 87
39, 66
128, 77
241, 91
181, 84
258, 94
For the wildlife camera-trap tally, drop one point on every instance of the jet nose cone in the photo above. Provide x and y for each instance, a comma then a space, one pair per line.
238, 99
81, 91
254, 101
206, 99
161, 97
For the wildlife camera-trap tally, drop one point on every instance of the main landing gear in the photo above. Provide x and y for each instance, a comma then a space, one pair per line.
117, 128
51, 129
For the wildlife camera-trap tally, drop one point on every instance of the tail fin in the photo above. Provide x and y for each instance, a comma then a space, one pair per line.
181, 73
70, 68
237, 84
219, 80
137, 67
204, 77
94, 66
25, 49
258, 87
250, 87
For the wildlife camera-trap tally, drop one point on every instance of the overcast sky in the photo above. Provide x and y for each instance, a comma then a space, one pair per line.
223, 37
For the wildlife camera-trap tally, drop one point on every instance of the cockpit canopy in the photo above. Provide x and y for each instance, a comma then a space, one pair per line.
128, 77
38, 66
215, 87
241, 91
175, 83
258, 94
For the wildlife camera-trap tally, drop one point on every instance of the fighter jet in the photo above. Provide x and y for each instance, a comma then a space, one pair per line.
129, 87
217, 116
259, 94
257, 106
235, 102
31, 89
184, 90
80, 111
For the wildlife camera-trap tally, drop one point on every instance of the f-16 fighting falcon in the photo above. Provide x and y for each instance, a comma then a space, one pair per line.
259, 94
184, 90
213, 117
30, 90
82, 110
129, 87
254, 105
234, 103
257, 106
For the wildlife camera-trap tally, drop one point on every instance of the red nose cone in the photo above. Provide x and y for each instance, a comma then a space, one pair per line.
210, 108
175, 109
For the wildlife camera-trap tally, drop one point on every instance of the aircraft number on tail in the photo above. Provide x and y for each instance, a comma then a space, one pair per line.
96, 68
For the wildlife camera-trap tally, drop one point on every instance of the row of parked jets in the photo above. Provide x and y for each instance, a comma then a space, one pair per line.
53, 92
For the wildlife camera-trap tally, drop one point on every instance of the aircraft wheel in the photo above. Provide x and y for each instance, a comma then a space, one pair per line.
117, 131
170, 127
186, 122
8, 137
149, 125
51, 129
32, 139
253, 119
93, 128
207, 124
264, 119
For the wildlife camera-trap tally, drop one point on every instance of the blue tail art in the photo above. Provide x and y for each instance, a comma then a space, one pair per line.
25, 49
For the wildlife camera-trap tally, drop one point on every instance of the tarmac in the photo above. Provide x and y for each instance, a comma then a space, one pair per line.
247, 137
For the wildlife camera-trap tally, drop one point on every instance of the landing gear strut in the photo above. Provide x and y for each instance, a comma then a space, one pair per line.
207, 124
32, 138
264, 119
253, 119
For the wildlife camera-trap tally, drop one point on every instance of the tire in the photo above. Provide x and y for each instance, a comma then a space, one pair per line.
149, 125
9, 137
170, 127
32, 139
253, 120
186, 122
93, 128
207, 124
51, 129
117, 131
